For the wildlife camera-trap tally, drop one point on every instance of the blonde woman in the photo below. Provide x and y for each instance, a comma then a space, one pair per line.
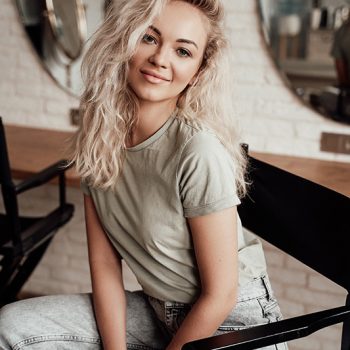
162, 172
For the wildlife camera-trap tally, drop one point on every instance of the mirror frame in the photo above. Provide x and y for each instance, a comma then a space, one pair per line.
81, 26
39, 16
287, 82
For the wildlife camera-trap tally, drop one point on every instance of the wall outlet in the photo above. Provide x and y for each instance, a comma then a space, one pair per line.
337, 143
74, 116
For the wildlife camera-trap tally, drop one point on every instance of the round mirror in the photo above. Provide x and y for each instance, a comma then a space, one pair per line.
310, 43
58, 30
68, 24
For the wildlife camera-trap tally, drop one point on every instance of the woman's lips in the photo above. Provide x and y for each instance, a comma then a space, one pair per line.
153, 77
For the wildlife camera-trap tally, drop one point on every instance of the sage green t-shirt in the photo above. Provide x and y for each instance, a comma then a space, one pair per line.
179, 172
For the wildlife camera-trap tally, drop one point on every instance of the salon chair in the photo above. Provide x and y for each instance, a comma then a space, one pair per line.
24, 240
308, 222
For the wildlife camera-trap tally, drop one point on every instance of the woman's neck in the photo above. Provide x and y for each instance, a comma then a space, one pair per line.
151, 118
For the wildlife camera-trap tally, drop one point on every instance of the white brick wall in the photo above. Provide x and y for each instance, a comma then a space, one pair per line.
273, 120
28, 95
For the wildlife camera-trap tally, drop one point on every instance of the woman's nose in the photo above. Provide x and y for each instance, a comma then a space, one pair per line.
160, 57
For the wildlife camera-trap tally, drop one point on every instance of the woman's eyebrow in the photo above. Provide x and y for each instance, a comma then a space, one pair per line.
156, 30
186, 41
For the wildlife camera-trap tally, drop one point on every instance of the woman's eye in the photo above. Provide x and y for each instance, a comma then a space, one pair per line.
183, 52
149, 39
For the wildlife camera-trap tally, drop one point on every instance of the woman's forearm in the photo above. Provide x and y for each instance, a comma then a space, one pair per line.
107, 282
110, 307
216, 256
206, 315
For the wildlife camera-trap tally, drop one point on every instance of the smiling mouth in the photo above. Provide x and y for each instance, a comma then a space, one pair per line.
153, 77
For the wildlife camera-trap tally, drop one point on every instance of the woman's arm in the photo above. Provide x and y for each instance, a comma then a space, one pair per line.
107, 284
215, 243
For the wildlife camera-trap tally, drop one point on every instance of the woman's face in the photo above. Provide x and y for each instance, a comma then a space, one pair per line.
169, 55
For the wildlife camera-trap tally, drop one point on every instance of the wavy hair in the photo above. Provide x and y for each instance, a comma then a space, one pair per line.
109, 107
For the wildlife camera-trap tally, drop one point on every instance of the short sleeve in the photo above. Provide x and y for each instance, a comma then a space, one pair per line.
85, 188
206, 176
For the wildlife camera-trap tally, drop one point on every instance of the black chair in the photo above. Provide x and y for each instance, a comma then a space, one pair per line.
23, 240
310, 223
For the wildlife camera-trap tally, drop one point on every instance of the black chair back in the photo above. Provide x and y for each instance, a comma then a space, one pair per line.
310, 223
5, 173
304, 219
8, 192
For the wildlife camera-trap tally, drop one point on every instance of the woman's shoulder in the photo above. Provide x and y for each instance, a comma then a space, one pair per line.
197, 137
200, 147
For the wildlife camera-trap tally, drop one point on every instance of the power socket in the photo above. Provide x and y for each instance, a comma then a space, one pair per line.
336, 143
74, 116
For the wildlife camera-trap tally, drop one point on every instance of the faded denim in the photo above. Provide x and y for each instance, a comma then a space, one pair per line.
67, 321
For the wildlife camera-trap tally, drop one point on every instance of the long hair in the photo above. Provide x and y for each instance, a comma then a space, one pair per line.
109, 107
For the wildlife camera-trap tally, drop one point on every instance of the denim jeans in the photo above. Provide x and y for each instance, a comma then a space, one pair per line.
68, 322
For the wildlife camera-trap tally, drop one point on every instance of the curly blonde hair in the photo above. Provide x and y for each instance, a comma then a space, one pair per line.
109, 107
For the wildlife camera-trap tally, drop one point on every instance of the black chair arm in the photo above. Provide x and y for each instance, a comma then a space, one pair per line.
42, 230
43, 176
272, 333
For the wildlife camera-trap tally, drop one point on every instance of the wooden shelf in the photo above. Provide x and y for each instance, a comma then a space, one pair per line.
31, 150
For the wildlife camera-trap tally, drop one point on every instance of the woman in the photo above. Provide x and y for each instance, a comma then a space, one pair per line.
161, 171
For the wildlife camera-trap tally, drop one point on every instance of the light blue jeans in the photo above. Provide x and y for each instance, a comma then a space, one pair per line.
68, 322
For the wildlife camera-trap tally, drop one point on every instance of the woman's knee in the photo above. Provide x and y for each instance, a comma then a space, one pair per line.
8, 314
10, 319
48, 313
49, 317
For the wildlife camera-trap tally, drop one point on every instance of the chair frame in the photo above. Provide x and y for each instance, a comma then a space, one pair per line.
275, 198
26, 239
